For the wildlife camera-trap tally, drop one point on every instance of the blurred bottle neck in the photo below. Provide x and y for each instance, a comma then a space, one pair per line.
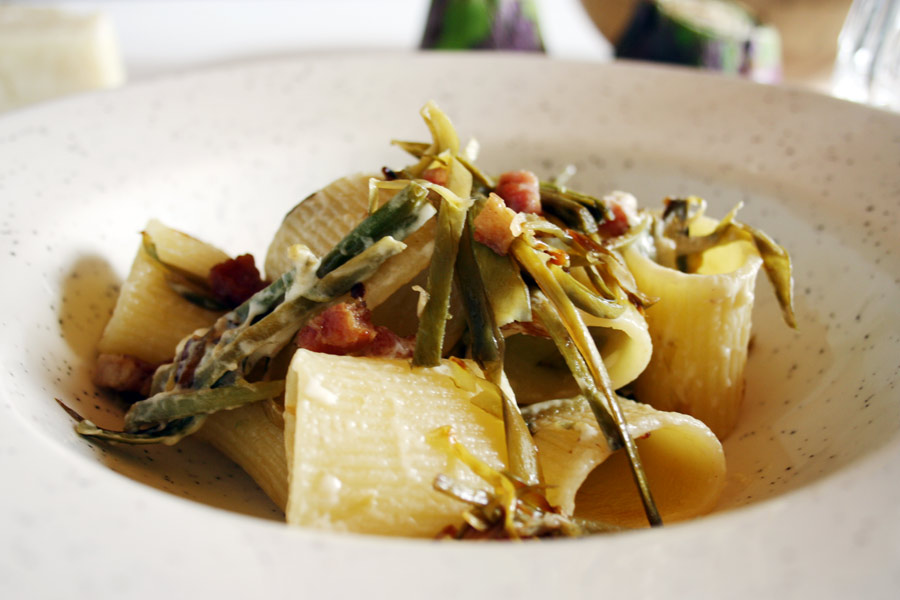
483, 25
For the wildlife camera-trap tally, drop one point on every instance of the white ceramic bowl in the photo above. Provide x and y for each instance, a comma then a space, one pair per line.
813, 494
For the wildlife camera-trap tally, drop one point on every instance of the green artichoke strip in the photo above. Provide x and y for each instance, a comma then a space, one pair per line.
510, 510
459, 179
181, 373
777, 263
573, 214
553, 193
487, 349
549, 318
161, 377
504, 286
480, 176
168, 434
168, 406
598, 282
432, 324
486, 341
443, 135
400, 216
416, 149
442, 131
609, 266
534, 262
445, 141
504, 488
521, 450
584, 298
677, 224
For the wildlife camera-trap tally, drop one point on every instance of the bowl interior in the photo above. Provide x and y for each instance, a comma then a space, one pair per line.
224, 155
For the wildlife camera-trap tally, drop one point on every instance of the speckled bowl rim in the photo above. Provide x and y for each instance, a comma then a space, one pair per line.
836, 536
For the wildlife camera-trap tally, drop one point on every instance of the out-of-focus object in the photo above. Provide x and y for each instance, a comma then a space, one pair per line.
482, 25
610, 16
714, 34
867, 68
45, 53
808, 30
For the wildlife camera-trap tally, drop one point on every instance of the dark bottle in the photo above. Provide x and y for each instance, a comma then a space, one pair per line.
482, 25
721, 35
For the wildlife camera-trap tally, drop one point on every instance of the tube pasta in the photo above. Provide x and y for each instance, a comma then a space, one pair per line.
356, 434
624, 343
253, 437
700, 330
681, 456
149, 318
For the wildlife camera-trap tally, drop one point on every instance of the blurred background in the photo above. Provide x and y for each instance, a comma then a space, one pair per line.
53, 48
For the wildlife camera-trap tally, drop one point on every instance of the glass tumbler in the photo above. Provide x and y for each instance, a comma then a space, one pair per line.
867, 68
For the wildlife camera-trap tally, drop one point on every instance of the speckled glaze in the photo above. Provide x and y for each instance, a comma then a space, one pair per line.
811, 507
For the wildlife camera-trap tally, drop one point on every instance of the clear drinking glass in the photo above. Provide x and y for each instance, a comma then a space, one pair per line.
867, 68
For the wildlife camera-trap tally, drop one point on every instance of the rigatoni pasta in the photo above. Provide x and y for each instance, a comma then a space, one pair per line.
681, 456
361, 459
149, 318
253, 437
700, 329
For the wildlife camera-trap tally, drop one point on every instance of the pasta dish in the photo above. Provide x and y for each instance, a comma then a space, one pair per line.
439, 351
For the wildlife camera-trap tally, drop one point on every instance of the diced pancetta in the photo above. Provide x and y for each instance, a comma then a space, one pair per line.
123, 373
521, 190
493, 225
347, 329
235, 280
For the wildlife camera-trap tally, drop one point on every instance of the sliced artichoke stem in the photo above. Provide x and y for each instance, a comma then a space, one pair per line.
584, 299
534, 262
549, 318
400, 216
598, 282
487, 348
573, 214
451, 220
443, 135
777, 263
552, 192
169, 406
169, 434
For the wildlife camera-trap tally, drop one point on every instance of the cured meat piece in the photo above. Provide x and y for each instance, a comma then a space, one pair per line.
521, 190
493, 225
235, 280
347, 329
123, 373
